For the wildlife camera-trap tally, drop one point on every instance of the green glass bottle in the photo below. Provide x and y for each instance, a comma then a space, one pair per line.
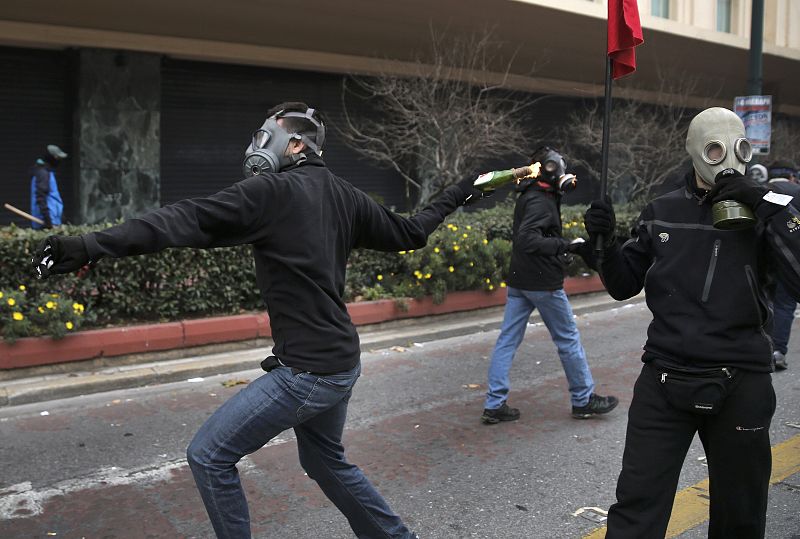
492, 180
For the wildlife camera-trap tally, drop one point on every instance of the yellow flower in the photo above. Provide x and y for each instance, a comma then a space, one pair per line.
427, 275
69, 325
1, 295
465, 235
456, 247
566, 225
401, 252
380, 277
50, 305
11, 302
411, 251
488, 280
471, 264
22, 287
40, 309
17, 316
455, 228
77, 307
469, 227
491, 287
485, 241
435, 249
451, 269
502, 284
53, 295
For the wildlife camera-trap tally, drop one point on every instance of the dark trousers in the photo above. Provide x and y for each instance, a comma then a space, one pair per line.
738, 453
783, 306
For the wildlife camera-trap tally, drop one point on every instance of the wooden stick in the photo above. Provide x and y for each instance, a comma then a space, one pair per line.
21, 213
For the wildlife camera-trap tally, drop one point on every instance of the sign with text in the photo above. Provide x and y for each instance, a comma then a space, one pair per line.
756, 113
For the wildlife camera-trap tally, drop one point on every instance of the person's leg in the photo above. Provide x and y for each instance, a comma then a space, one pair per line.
557, 316
319, 444
515, 320
656, 443
740, 459
266, 407
783, 306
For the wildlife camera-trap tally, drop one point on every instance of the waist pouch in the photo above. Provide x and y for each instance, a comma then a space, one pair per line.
699, 391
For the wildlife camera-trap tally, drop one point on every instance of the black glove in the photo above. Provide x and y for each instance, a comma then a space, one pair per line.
585, 250
731, 184
59, 254
47, 223
600, 220
471, 194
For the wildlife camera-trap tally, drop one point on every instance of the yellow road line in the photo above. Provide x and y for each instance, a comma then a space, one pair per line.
691, 504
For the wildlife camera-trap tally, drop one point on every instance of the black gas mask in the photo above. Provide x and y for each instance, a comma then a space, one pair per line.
267, 150
554, 172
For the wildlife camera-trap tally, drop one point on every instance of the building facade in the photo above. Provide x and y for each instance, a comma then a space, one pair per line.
155, 101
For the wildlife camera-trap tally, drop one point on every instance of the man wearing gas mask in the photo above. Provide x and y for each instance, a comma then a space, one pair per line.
708, 355
302, 222
536, 281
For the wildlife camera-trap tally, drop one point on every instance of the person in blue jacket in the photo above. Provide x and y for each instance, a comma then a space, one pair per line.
46, 203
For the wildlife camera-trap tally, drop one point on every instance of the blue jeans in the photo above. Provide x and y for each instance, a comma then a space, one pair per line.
783, 306
316, 407
556, 313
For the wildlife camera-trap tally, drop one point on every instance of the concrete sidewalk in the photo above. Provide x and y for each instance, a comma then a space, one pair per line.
159, 370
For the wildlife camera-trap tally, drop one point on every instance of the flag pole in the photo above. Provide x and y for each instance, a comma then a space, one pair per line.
606, 129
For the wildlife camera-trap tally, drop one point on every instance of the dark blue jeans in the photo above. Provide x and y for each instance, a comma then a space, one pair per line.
316, 407
783, 306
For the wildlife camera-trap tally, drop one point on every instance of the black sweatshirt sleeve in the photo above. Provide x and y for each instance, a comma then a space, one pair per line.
383, 230
234, 216
783, 236
530, 236
623, 268
42, 190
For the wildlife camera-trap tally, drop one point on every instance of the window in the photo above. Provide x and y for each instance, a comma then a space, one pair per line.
724, 15
659, 8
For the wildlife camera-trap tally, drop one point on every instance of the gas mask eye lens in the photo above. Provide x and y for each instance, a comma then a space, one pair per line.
260, 138
550, 166
743, 150
714, 152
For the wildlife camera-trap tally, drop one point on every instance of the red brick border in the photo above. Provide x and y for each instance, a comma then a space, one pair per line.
31, 352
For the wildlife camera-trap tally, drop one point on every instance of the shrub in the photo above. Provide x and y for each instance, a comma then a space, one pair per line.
471, 251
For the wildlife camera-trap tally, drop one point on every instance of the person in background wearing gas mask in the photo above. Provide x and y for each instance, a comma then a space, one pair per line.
708, 356
46, 203
783, 178
302, 222
536, 281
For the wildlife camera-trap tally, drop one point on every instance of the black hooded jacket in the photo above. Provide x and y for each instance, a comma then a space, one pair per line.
706, 288
302, 223
536, 263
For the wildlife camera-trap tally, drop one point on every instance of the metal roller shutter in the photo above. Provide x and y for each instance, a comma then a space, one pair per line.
35, 110
209, 112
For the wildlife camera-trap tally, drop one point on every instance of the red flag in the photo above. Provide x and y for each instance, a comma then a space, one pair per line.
624, 33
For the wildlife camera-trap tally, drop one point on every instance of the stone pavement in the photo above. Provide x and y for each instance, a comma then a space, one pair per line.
159, 370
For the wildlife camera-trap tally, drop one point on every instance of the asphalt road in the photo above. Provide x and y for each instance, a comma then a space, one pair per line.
111, 465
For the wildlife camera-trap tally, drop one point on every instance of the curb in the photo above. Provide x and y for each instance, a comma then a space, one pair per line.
395, 333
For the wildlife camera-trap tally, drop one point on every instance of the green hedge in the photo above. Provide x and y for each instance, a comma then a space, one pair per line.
471, 251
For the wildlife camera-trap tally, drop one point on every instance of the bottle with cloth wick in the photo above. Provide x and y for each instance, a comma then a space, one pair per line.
498, 178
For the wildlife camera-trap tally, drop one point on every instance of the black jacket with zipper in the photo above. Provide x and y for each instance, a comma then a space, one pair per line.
302, 223
536, 261
706, 288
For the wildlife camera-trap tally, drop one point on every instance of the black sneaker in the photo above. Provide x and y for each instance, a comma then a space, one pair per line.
779, 360
597, 405
496, 415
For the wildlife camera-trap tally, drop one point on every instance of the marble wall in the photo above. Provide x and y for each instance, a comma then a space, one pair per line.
117, 118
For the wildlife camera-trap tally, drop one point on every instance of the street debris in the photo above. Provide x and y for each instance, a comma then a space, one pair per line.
397, 349
595, 514
194, 380
471, 386
44, 413
416, 426
793, 425
702, 461
233, 382
520, 507
419, 344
